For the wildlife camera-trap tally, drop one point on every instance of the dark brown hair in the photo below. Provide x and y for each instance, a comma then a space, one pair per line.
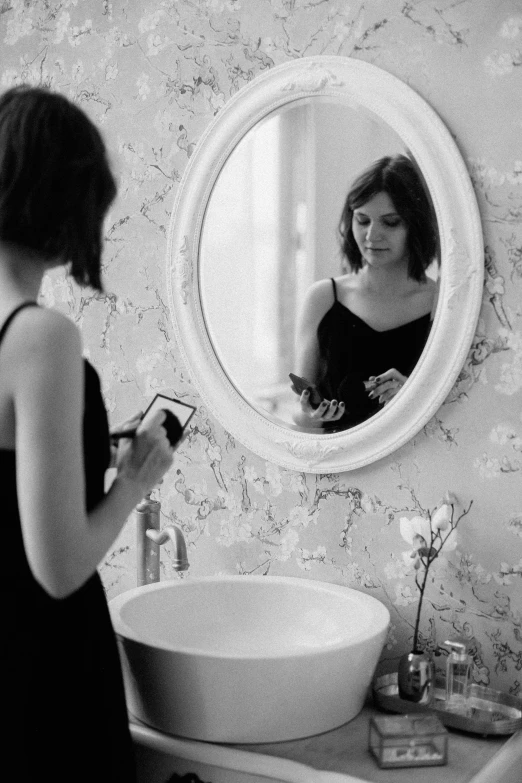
399, 177
55, 182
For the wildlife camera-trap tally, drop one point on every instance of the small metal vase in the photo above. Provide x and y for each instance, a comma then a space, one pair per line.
415, 677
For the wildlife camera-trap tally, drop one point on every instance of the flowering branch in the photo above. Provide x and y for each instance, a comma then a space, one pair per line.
428, 537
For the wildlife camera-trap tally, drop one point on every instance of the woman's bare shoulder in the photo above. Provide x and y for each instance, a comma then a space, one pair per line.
429, 289
320, 293
324, 289
432, 285
348, 282
318, 300
40, 330
434, 290
423, 296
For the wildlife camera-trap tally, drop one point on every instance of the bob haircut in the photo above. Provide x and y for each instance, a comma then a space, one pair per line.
400, 179
55, 182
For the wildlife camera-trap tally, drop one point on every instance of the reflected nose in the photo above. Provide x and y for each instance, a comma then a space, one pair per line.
373, 232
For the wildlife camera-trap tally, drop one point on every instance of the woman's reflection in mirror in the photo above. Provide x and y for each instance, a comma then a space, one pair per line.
361, 334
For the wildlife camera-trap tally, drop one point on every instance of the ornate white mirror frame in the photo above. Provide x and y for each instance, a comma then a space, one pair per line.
355, 83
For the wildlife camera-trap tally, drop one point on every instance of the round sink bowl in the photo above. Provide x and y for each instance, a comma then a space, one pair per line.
247, 659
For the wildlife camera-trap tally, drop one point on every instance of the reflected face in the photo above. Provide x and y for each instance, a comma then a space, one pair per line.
380, 232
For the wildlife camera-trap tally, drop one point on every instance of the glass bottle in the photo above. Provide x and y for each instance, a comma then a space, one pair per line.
458, 668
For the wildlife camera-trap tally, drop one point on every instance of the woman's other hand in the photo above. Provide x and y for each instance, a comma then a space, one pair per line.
327, 410
385, 386
128, 424
146, 457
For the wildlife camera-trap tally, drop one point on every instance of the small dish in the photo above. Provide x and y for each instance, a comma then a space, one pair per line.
489, 711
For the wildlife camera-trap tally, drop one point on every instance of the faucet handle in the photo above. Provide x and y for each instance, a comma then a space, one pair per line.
158, 536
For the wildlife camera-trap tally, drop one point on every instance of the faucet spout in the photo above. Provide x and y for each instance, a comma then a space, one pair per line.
175, 534
149, 538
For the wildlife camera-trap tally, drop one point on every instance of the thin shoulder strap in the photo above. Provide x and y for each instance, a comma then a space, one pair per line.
7, 322
334, 289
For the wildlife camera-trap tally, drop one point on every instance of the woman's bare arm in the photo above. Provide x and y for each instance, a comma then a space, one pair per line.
317, 303
64, 544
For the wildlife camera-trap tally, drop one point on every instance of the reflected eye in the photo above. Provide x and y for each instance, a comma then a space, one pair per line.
386, 222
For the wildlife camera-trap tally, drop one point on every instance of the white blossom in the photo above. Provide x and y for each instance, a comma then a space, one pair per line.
418, 526
441, 518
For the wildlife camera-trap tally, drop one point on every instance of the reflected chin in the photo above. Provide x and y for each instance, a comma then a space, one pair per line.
376, 255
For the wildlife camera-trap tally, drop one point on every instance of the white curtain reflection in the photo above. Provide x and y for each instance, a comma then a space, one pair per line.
253, 243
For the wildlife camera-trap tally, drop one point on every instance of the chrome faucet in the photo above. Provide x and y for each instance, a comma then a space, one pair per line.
149, 538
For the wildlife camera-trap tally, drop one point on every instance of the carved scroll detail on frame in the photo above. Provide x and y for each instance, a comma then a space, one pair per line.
461, 270
313, 79
182, 270
311, 452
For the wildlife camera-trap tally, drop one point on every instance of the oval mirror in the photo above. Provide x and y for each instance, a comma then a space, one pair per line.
256, 223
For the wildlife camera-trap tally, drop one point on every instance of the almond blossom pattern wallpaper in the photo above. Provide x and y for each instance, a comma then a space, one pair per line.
153, 74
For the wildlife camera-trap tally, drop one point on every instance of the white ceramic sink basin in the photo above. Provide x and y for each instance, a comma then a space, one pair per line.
247, 659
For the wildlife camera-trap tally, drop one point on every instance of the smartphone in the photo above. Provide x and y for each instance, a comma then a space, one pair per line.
178, 415
181, 410
299, 384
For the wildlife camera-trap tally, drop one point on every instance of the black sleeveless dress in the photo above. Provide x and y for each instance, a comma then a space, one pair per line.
350, 351
62, 691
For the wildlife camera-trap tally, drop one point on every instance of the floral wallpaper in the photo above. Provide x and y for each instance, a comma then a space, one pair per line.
152, 74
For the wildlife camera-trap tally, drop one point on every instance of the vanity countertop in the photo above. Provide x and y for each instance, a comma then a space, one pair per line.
342, 755
345, 750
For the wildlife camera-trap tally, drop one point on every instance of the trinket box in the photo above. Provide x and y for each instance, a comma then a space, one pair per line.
408, 741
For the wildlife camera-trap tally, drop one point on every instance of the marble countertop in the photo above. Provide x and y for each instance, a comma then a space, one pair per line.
345, 750
342, 754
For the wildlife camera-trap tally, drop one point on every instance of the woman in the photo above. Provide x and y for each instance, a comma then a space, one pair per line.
62, 688
361, 334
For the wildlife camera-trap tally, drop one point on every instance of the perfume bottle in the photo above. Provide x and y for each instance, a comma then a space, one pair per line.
458, 668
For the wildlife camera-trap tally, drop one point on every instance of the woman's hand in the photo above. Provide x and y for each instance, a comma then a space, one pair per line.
385, 386
327, 410
129, 424
146, 457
